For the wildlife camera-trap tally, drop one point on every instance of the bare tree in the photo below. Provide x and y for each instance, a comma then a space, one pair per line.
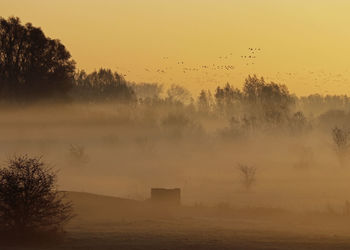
340, 138
77, 154
29, 200
341, 141
247, 175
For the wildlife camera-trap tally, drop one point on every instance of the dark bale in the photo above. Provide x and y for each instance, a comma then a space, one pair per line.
166, 196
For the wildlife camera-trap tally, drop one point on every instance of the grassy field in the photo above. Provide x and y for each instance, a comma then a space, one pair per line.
111, 223
209, 238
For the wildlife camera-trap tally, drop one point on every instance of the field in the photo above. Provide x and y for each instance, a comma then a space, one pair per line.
127, 224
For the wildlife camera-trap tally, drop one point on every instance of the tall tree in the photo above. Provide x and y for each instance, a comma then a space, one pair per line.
32, 65
272, 101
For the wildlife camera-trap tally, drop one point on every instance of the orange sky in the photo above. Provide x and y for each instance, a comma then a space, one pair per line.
304, 43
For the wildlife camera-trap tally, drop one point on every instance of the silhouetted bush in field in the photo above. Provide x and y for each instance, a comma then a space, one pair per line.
30, 204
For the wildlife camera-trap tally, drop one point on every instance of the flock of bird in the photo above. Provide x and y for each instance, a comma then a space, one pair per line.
249, 58
223, 67
231, 67
220, 66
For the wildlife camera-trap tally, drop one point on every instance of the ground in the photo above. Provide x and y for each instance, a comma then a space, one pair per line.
112, 223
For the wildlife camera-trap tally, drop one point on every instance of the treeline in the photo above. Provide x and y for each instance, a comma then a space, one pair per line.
35, 67
102, 85
257, 96
272, 99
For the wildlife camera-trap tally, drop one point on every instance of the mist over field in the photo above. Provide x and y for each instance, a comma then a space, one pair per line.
125, 149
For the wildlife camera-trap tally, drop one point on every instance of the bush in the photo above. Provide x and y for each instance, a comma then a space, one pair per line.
29, 200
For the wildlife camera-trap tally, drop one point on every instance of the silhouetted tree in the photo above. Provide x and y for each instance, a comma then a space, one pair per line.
270, 100
29, 200
317, 103
228, 99
298, 123
341, 141
102, 85
203, 102
179, 95
32, 65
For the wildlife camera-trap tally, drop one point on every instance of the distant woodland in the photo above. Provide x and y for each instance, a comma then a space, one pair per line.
34, 68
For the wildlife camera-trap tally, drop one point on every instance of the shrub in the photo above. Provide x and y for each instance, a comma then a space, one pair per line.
29, 200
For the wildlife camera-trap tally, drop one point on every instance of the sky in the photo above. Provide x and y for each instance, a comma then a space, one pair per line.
201, 44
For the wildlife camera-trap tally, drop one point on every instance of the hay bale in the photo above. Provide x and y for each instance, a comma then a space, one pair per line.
166, 196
